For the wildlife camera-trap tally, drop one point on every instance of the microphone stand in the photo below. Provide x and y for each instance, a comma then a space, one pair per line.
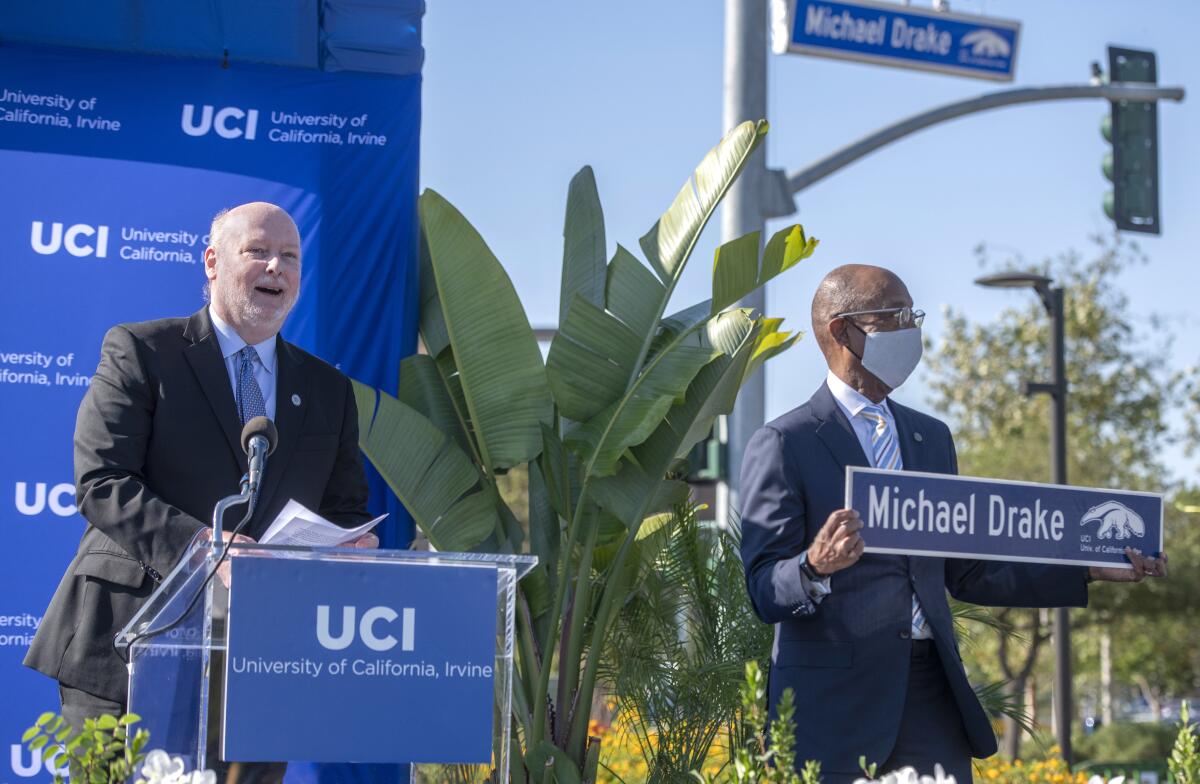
224, 505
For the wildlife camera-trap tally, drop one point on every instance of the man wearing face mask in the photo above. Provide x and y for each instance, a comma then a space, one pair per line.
867, 642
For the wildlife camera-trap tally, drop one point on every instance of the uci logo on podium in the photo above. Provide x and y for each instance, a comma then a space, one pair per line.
220, 120
366, 628
69, 238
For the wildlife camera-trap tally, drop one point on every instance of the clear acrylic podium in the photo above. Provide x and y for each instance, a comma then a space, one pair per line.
175, 673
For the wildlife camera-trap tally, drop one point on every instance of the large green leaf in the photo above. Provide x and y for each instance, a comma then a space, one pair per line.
584, 253
634, 295
424, 388
432, 322
500, 367
590, 360
466, 524
544, 528
426, 470
670, 241
629, 493
736, 268
648, 542
602, 440
770, 342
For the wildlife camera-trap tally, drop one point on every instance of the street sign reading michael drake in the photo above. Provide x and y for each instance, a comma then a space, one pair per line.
349, 661
896, 35
914, 513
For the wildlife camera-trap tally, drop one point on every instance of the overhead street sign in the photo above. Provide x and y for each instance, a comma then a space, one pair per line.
901, 36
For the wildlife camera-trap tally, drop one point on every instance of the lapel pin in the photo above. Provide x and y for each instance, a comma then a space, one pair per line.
296, 402
916, 436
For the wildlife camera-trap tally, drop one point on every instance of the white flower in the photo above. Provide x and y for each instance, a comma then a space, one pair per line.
1099, 780
161, 768
909, 775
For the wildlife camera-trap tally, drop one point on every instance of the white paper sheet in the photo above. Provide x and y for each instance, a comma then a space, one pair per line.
299, 525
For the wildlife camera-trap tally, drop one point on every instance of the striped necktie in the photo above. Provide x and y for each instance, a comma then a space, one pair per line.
249, 394
885, 450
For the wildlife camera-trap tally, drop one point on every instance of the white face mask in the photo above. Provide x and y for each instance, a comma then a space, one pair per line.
892, 356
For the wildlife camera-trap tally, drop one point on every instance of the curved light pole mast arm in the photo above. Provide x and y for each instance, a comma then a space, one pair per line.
799, 180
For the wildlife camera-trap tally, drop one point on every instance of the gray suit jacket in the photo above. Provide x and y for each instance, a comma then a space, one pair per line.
847, 658
156, 446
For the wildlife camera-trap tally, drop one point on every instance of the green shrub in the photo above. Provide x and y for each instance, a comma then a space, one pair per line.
101, 753
1126, 742
1185, 756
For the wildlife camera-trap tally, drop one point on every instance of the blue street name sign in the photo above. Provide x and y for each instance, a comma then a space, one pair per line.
351, 661
914, 513
902, 36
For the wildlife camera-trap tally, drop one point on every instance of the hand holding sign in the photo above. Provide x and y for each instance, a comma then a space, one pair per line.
1143, 566
838, 544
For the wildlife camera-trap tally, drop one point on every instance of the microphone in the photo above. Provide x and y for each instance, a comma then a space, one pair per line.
259, 438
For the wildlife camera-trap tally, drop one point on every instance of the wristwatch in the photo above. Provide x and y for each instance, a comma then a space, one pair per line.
808, 571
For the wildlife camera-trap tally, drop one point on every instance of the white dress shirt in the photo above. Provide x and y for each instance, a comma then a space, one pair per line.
264, 368
852, 402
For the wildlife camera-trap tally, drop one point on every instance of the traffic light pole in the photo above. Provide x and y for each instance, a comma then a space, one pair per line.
743, 210
1053, 300
799, 180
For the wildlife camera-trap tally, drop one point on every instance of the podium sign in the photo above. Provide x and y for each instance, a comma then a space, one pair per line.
360, 661
915, 513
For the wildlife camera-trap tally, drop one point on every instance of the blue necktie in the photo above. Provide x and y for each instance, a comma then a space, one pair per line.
886, 451
249, 395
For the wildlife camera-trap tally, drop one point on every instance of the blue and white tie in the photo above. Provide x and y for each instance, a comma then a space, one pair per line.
885, 450
249, 395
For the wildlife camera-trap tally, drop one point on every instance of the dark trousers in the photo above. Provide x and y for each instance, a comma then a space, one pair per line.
931, 729
80, 705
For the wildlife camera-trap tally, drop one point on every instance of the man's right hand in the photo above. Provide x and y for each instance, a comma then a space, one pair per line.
226, 536
838, 543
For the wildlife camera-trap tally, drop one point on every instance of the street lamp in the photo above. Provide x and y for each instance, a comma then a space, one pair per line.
1052, 299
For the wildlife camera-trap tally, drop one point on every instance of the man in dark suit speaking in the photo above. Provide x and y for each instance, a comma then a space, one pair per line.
867, 642
157, 445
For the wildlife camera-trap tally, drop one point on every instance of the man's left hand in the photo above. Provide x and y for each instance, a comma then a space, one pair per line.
368, 541
1143, 566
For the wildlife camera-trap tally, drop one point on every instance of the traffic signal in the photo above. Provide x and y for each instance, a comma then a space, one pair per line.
1132, 130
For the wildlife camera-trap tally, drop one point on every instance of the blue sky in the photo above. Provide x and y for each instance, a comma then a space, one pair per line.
519, 95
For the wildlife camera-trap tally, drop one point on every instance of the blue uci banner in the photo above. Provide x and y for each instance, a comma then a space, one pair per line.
915, 513
113, 166
359, 661
902, 36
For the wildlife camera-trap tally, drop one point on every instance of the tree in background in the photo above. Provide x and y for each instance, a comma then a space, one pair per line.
1122, 396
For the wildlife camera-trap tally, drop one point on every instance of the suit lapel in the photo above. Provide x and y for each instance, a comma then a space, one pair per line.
912, 442
204, 356
291, 397
835, 430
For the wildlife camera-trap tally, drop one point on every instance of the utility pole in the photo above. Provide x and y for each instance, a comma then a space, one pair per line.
1052, 298
1063, 703
742, 210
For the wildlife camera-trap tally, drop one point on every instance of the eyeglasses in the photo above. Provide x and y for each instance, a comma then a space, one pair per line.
900, 318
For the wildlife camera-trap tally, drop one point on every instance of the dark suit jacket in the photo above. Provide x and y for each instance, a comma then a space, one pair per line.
847, 657
156, 446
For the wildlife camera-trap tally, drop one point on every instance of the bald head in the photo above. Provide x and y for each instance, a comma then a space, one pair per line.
853, 287
252, 212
